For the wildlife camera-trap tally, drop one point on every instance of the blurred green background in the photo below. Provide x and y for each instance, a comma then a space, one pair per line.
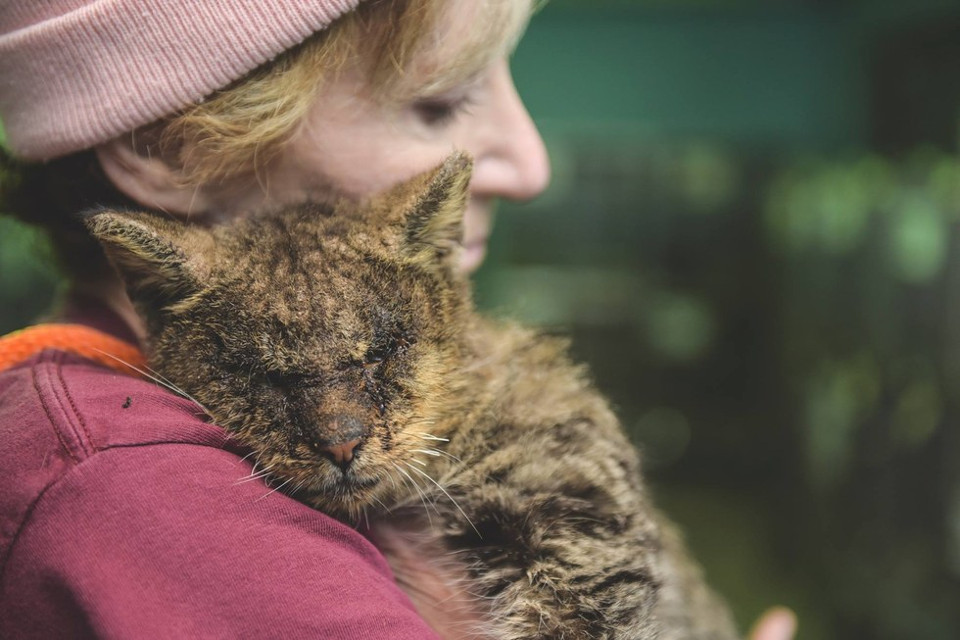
752, 237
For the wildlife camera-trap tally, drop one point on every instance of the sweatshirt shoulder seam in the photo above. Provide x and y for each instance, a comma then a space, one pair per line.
28, 512
34, 378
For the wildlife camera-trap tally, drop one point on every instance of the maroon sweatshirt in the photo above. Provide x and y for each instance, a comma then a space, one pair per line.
123, 514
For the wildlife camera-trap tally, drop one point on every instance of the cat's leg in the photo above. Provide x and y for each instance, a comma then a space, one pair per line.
560, 540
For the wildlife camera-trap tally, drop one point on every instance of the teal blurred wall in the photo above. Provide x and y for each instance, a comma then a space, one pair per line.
788, 76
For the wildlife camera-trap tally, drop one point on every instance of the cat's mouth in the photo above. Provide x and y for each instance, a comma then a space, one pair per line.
334, 490
359, 483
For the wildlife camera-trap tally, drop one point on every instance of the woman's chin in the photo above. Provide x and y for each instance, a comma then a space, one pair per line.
473, 255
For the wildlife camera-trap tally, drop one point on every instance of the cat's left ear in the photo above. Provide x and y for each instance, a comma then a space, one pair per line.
433, 233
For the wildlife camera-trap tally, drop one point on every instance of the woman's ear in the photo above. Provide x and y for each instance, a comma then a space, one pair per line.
150, 180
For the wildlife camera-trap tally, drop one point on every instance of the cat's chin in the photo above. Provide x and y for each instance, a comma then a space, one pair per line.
342, 495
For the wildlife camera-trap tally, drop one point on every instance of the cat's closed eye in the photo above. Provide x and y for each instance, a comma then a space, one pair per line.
284, 380
376, 355
384, 347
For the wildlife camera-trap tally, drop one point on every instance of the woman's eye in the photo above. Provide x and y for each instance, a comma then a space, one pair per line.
438, 112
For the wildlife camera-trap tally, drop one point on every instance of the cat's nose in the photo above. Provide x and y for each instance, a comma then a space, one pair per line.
341, 454
339, 443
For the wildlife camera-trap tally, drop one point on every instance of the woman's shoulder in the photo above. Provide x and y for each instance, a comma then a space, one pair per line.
80, 408
80, 438
59, 413
118, 490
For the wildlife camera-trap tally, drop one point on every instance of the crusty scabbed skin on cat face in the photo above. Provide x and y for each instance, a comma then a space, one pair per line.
314, 326
337, 334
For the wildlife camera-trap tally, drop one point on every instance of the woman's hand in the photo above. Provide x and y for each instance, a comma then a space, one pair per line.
778, 623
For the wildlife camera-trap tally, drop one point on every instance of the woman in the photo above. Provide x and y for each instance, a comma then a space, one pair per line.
124, 516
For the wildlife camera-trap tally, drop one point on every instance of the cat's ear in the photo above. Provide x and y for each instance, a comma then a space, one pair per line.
160, 260
433, 225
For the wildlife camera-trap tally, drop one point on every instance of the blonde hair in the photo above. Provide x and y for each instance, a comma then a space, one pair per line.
238, 129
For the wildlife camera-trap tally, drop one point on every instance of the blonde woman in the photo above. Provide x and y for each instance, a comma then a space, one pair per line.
121, 514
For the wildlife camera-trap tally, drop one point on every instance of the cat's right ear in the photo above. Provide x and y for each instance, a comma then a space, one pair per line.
160, 260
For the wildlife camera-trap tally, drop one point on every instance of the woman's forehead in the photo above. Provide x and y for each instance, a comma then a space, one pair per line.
468, 37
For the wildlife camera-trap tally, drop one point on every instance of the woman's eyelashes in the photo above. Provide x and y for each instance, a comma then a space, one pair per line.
440, 111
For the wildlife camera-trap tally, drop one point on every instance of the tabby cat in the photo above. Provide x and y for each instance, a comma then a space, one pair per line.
341, 345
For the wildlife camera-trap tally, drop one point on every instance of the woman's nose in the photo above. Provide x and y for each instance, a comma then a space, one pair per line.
514, 163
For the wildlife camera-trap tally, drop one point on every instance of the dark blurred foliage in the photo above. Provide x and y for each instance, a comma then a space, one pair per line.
751, 236
27, 279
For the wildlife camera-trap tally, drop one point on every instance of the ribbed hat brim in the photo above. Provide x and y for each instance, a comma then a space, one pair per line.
101, 68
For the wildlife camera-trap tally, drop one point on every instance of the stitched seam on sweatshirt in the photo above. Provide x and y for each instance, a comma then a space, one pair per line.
23, 523
86, 443
28, 513
35, 370
69, 417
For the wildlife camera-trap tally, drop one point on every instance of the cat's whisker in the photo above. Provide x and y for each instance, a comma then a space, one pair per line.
419, 462
255, 475
381, 503
256, 463
421, 494
254, 472
455, 503
429, 436
423, 498
275, 489
381, 474
437, 453
147, 372
156, 377
404, 479
247, 479
393, 480
244, 458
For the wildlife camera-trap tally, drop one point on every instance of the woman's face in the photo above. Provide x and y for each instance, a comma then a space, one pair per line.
353, 145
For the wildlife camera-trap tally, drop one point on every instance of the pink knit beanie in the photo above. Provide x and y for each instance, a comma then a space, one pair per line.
74, 73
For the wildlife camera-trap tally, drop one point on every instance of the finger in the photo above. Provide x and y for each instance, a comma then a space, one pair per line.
778, 623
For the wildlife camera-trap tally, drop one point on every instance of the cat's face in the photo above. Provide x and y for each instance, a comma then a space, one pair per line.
329, 343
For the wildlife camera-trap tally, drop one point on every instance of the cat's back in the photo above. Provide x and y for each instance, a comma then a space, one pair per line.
538, 387
534, 381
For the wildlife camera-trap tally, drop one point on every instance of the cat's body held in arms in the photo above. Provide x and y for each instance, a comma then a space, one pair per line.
341, 345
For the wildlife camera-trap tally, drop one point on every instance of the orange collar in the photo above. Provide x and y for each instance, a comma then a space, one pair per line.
84, 341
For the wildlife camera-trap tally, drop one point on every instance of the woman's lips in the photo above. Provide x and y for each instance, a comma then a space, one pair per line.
474, 251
